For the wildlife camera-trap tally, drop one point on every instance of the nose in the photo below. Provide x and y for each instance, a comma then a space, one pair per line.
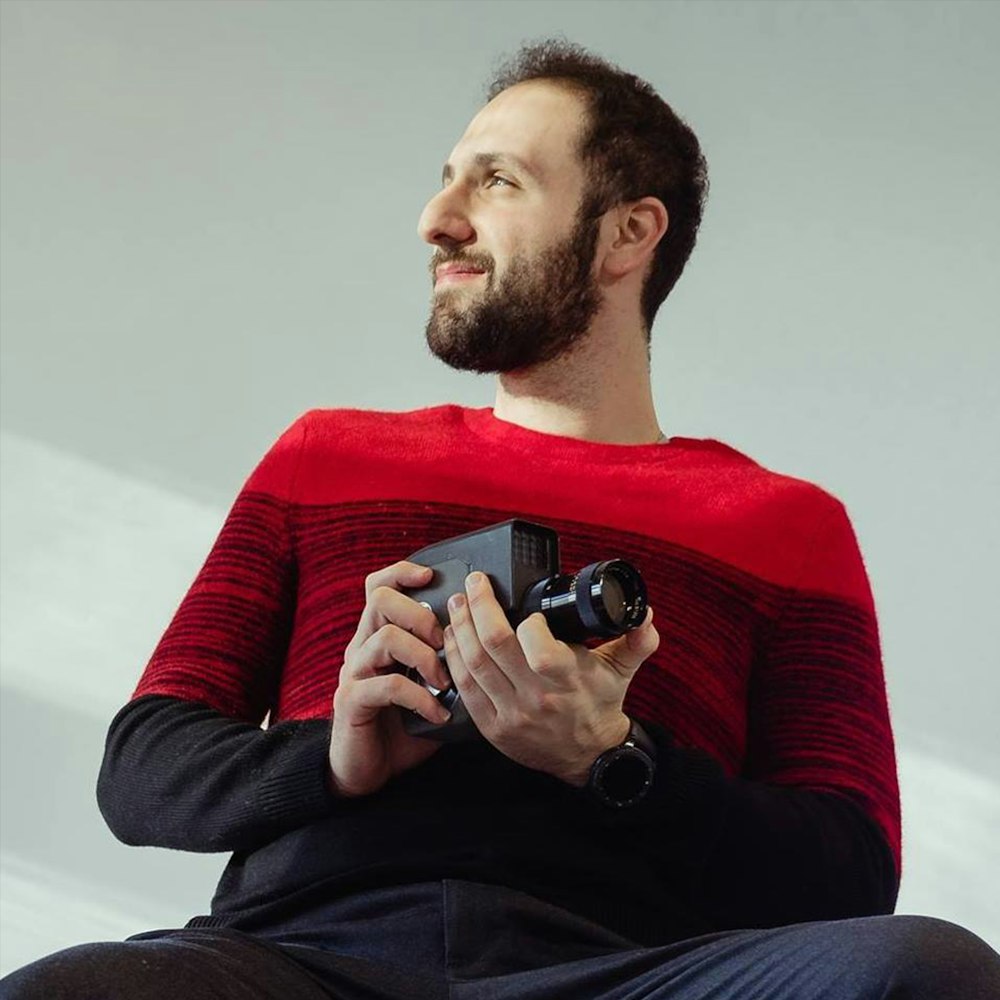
444, 221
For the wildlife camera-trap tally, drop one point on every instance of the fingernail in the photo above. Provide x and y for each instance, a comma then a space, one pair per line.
456, 602
475, 581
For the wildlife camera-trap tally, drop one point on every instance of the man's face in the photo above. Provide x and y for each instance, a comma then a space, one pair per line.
513, 281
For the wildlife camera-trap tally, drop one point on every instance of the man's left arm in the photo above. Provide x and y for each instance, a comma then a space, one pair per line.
806, 833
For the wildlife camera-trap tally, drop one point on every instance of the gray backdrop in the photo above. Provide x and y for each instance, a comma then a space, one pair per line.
208, 227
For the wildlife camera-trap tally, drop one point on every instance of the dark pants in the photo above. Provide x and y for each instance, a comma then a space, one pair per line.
461, 941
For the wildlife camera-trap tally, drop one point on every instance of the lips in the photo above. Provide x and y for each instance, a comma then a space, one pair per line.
456, 270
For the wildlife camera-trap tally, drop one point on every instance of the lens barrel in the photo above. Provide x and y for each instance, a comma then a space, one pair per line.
603, 600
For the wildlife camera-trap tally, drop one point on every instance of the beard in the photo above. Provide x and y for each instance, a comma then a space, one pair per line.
540, 309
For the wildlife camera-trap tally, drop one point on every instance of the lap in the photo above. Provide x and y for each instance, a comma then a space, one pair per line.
500, 945
869, 958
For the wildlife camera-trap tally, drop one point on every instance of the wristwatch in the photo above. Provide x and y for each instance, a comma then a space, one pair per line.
621, 776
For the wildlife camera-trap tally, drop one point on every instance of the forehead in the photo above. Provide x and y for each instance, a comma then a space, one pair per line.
538, 122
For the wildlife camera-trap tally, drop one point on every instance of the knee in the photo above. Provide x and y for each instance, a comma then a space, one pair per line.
924, 958
108, 969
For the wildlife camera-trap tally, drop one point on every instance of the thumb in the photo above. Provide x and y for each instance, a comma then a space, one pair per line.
629, 651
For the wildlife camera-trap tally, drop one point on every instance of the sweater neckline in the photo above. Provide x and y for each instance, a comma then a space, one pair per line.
488, 427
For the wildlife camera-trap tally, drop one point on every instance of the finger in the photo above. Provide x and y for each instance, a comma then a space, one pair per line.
387, 605
478, 662
400, 574
367, 698
494, 631
480, 707
548, 658
392, 647
629, 651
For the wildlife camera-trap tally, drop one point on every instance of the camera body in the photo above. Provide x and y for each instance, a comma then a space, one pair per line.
521, 559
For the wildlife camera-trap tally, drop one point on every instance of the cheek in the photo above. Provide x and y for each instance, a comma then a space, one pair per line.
514, 238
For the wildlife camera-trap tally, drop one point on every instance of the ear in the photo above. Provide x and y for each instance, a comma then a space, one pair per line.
637, 228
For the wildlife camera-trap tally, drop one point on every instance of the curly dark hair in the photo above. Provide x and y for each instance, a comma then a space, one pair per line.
634, 146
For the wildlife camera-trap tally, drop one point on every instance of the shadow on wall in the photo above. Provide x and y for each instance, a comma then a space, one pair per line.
65, 877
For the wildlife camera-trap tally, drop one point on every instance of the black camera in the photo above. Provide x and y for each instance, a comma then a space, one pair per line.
521, 559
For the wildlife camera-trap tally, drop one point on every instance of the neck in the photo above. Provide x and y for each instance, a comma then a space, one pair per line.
599, 391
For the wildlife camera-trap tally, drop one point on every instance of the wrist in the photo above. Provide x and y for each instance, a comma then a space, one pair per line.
337, 787
612, 735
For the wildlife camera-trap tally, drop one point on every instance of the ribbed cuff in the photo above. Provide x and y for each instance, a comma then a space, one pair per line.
297, 792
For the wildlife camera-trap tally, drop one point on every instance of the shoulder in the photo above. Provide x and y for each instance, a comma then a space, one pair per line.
732, 477
345, 425
343, 455
782, 527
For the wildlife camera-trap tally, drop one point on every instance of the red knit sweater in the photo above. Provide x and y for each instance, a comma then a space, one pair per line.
769, 662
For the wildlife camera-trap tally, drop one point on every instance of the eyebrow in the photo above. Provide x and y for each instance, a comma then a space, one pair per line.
484, 160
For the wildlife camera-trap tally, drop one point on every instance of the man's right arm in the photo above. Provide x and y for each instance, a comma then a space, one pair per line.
182, 774
187, 764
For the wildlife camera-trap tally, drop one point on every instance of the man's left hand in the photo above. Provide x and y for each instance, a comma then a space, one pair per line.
544, 703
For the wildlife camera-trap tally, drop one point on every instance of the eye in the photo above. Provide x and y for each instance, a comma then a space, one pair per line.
494, 178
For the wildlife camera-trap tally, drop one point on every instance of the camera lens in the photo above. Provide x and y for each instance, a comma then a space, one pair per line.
611, 593
604, 599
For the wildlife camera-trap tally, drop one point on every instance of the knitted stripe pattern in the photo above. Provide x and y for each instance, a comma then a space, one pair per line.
769, 657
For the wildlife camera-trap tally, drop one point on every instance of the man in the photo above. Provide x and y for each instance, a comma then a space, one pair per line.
630, 807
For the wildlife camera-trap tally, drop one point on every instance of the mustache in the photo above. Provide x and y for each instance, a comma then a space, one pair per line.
479, 261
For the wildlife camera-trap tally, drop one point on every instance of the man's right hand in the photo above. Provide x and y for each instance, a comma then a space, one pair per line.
368, 744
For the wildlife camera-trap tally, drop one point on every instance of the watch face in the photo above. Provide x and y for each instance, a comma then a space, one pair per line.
624, 777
